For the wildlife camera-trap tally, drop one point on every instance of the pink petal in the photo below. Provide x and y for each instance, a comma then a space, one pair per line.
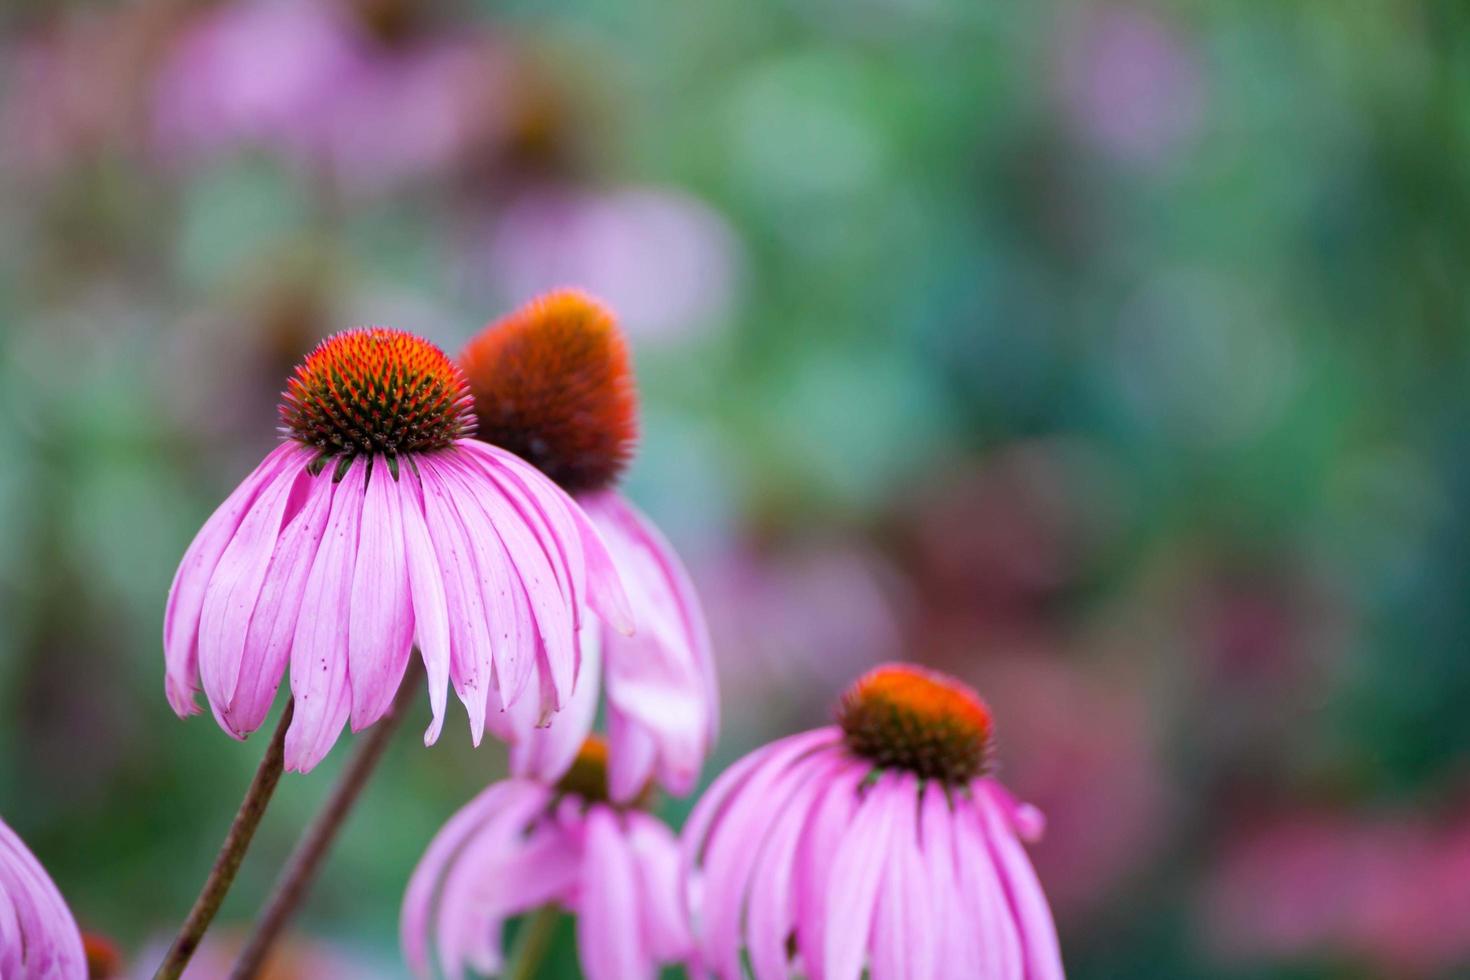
656, 856
609, 942
38, 935
469, 644
234, 588
547, 753
319, 677
770, 918
857, 871
273, 625
380, 617
956, 939
507, 558
632, 753
830, 818
426, 591
904, 932
186, 594
983, 897
736, 846
626, 530
1028, 903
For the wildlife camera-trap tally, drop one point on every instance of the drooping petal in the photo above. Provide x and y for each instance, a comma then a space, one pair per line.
38, 935
426, 592
466, 865
1028, 903
772, 890
857, 872
273, 625
469, 644
656, 856
956, 941
186, 594
319, 676
904, 931
632, 756
610, 943
380, 617
983, 898
737, 844
234, 588
818, 849
547, 753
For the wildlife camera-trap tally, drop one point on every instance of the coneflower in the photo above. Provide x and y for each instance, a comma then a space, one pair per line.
378, 525
524, 845
39, 939
553, 383
879, 843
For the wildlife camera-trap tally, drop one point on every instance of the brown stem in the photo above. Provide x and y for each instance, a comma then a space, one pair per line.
302, 867
231, 853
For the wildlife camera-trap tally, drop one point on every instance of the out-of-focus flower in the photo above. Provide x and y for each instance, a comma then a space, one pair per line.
319, 82
553, 383
380, 518
793, 621
522, 844
38, 936
1393, 893
880, 841
666, 261
1130, 82
80, 85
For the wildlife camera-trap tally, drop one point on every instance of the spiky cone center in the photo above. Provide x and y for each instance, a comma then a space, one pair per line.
587, 777
905, 717
376, 391
553, 383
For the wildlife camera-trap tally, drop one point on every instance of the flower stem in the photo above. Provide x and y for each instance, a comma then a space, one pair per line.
231, 853
305, 862
533, 941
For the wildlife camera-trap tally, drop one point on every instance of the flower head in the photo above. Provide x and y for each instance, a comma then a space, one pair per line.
878, 842
414, 536
38, 936
522, 844
553, 382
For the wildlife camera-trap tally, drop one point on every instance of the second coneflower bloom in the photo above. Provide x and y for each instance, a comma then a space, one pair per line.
522, 844
879, 843
553, 383
376, 526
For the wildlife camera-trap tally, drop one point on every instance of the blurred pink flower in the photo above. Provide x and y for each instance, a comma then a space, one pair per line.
305, 79
1391, 891
38, 936
880, 842
379, 527
666, 261
521, 845
792, 622
1130, 82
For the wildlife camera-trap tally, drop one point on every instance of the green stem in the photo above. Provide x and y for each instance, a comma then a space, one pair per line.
231, 853
533, 942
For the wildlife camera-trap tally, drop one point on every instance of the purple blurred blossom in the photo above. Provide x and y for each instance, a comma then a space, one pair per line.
1130, 82
665, 260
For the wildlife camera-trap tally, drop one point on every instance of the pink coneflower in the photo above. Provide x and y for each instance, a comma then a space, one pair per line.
522, 844
880, 841
377, 526
38, 936
553, 383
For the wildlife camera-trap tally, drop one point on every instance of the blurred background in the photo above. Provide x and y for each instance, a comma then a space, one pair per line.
1112, 356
